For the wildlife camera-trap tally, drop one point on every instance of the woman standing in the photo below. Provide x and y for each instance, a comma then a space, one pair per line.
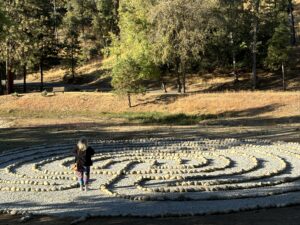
83, 159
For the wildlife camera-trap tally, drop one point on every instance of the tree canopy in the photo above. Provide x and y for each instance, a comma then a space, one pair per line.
144, 39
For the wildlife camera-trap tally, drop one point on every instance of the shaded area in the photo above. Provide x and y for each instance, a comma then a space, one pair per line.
163, 118
287, 129
280, 216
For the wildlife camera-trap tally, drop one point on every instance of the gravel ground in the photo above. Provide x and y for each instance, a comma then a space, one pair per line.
261, 174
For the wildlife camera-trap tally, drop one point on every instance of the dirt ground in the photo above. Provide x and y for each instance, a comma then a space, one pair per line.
289, 216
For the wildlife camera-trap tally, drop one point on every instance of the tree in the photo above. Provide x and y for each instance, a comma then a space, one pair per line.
255, 8
95, 21
131, 51
292, 22
43, 27
71, 41
29, 37
181, 31
105, 21
234, 33
10, 47
279, 47
3, 22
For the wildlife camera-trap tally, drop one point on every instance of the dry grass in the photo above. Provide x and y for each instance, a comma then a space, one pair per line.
56, 74
242, 104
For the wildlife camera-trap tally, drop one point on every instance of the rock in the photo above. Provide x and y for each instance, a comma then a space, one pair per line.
26, 218
13, 212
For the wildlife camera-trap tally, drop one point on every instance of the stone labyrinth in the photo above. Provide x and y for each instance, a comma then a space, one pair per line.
153, 177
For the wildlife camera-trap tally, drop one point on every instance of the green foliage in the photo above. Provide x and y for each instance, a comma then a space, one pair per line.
92, 21
279, 45
182, 29
71, 45
3, 22
140, 36
131, 53
30, 35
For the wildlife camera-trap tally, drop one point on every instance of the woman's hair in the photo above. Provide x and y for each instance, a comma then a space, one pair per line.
82, 144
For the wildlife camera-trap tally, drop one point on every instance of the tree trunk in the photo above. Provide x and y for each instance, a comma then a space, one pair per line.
179, 85
1, 87
254, 71
10, 81
183, 78
24, 76
292, 23
72, 64
254, 46
55, 21
9, 73
283, 77
236, 76
129, 99
42, 75
163, 85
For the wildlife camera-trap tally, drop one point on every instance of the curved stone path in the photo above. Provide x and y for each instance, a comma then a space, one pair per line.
153, 177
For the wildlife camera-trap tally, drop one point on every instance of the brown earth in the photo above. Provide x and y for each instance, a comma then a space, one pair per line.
233, 104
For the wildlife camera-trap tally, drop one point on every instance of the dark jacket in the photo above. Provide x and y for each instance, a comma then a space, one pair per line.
88, 157
84, 158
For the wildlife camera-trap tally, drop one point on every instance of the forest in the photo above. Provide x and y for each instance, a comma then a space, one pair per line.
145, 39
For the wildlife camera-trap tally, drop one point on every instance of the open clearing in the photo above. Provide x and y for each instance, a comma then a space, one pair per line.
267, 115
227, 104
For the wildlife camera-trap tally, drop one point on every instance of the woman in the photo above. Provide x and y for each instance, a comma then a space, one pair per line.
83, 159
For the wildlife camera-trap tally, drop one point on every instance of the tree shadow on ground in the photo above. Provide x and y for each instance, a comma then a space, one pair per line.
160, 99
266, 128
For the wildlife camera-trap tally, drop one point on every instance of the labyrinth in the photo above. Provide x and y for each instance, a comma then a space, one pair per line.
153, 177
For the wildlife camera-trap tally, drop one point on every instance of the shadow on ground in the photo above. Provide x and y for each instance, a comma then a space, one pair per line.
287, 129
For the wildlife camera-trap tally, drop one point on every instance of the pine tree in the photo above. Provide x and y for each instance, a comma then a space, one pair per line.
95, 21
29, 38
71, 40
279, 47
3, 22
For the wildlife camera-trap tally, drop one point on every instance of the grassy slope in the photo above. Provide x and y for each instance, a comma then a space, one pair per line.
107, 105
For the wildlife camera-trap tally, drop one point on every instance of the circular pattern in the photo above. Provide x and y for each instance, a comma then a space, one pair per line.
150, 177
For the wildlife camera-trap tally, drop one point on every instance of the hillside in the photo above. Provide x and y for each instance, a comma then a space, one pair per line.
92, 76
100, 105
